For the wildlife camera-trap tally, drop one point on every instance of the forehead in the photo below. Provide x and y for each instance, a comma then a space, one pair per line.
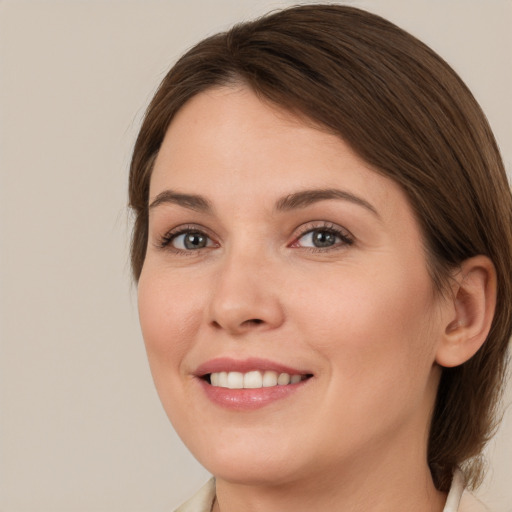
227, 141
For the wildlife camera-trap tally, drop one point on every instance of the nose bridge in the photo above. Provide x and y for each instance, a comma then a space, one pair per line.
245, 296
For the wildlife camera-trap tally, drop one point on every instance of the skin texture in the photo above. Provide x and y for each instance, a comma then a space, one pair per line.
361, 316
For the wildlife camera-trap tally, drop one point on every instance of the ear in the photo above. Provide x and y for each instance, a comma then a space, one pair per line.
471, 310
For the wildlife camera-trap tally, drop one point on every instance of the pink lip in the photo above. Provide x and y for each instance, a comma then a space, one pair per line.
247, 399
226, 364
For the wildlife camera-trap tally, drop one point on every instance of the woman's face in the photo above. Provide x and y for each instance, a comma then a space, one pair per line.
274, 249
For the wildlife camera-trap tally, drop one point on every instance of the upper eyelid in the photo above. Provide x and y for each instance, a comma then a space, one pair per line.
184, 228
326, 225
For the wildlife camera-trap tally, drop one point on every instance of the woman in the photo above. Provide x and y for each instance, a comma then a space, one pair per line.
322, 246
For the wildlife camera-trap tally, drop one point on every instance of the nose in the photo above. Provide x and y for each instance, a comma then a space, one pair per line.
246, 296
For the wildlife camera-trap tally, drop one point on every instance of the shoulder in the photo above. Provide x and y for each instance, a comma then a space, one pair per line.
202, 501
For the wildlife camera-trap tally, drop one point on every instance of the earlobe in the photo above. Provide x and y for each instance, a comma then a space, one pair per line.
472, 309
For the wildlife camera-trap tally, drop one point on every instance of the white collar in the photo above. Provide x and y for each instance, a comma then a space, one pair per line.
455, 494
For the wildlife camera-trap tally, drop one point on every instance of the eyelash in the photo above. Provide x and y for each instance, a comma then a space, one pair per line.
166, 240
346, 238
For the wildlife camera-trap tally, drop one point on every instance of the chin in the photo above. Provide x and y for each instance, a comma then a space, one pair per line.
252, 471
243, 460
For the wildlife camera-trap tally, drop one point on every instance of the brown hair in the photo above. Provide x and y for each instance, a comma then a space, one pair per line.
407, 113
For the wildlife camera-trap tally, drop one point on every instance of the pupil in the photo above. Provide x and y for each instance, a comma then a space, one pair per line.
195, 241
324, 239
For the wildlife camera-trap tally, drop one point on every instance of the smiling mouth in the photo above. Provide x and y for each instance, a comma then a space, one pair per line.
254, 379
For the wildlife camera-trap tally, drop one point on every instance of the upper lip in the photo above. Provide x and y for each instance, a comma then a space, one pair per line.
226, 364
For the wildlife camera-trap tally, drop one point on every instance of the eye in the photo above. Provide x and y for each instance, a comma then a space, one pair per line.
323, 237
186, 240
191, 241
319, 238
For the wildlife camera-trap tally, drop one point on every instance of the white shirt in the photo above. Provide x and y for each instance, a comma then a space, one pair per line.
458, 499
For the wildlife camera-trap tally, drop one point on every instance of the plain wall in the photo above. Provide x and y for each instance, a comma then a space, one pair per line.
81, 427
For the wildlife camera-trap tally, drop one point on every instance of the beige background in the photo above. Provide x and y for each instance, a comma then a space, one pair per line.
81, 428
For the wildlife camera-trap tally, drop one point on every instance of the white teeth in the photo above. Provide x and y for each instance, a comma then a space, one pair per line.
269, 379
235, 380
283, 379
252, 380
223, 379
295, 378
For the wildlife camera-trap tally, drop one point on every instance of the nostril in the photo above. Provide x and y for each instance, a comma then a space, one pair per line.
237, 326
253, 321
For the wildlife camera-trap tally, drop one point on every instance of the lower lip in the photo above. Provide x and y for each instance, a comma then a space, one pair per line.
249, 399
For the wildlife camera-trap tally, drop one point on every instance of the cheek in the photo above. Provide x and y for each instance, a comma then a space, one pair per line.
168, 322
374, 332
372, 322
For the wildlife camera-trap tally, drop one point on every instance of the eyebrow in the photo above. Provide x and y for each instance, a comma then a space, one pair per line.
297, 200
306, 198
190, 201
